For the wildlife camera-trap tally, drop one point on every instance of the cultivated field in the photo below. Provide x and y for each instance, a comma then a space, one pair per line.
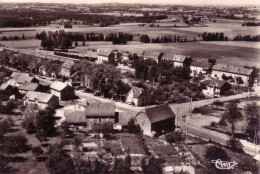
233, 55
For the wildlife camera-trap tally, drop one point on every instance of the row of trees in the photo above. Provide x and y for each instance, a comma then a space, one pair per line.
240, 37
165, 39
214, 37
119, 38
4, 38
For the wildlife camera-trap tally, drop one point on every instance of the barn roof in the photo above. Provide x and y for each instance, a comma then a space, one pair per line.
204, 65
4, 86
75, 116
232, 69
29, 86
98, 109
105, 53
39, 96
216, 83
159, 113
58, 86
22, 77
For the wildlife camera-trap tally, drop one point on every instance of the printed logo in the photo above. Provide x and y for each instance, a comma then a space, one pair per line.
224, 164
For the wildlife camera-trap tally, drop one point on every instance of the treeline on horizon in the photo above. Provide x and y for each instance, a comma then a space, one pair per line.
30, 17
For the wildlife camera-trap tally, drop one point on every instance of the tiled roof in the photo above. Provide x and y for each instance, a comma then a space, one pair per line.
75, 116
22, 77
91, 54
105, 53
68, 64
232, 69
137, 91
159, 113
216, 83
179, 58
58, 86
29, 86
40, 96
98, 109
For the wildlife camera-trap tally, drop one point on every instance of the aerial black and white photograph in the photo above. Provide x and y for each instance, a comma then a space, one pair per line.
130, 87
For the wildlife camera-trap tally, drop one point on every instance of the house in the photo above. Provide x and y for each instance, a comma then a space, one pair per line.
25, 88
98, 112
139, 97
156, 119
106, 56
62, 90
42, 100
91, 113
216, 87
197, 67
178, 60
17, 79
233, 74
9, 90
155, 55
66, 68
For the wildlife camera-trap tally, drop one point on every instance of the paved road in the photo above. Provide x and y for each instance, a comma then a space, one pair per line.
183, 109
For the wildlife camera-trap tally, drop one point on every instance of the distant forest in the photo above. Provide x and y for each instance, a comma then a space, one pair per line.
28, 18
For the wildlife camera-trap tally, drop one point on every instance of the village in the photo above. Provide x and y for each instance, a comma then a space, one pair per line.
107, 124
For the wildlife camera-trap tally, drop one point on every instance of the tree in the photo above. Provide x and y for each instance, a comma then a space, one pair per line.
252, 111
77, 141
235, 145
37, 151
65, 129
174, 137
232, 115
58, 161
144, 38
15, 144
83, 43
132, 127
23, 37
45, 121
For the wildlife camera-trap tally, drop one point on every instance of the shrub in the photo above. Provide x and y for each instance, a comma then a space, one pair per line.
174, 137
213, 124
213, 153
37, 151
235, 145
218, 103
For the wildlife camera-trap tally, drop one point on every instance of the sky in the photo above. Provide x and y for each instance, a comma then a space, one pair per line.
181, 2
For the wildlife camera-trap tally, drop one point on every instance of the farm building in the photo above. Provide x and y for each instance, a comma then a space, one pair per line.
156, 119
18, 79
66, 68
25, 88
139, 97
178, 60
216, 87
42, 100
197, 67
106, 56
233, 74
91, 113
62, 90
90, 55
155, 55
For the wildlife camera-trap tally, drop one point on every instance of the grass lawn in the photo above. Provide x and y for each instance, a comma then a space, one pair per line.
32, 43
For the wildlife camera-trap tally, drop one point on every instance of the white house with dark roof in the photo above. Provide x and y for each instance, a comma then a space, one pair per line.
216, 87
139, 97
18, 79
42, 100
197, 67
156, 119
177, 60
62, 90
237, 75
66, 68
106, 56
155, 55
